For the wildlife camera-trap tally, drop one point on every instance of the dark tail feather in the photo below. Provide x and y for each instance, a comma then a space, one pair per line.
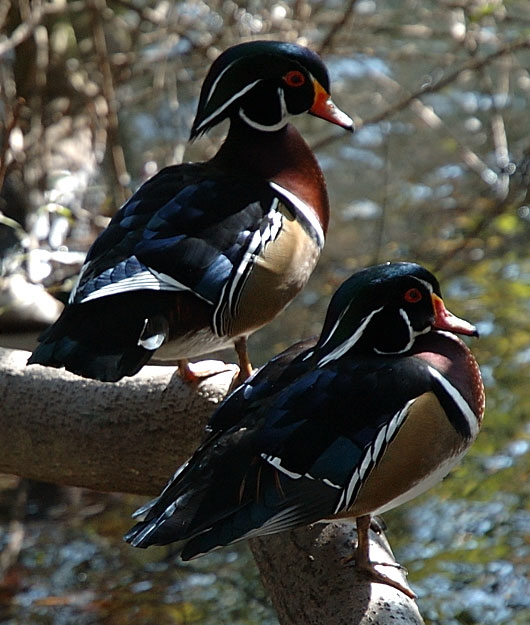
209, 514
99, 339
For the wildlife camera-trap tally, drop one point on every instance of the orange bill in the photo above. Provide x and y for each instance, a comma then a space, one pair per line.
445, 320
325, 108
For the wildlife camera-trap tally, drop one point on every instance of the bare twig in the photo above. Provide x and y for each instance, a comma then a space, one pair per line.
25, 29
117, 156
472, 64
498, 129
496, 208
15, 530
414, 100
32, 16
327, 43
4, 148
380, 223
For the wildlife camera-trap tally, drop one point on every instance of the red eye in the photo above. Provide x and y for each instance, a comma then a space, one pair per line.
294, 78
413, 295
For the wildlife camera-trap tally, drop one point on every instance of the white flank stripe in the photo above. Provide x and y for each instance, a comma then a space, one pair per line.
248, 258
277, 463
366, 463
379, 442
230, 294
76, 285
423, 485
304, 209
372, 456
330, 483
349, 343
348, 493
462, 404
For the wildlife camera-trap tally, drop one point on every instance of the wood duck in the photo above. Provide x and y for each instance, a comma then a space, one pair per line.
372, 413
204, 254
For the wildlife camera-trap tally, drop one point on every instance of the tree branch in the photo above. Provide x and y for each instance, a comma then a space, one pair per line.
132, 435
307, 577
127, 437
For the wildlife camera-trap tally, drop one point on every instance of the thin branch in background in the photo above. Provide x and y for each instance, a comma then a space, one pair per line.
434, 87
31, 18
15, 530
518, 195
5, 7
298, 9
486, 217
380, 223
498, 128
117, 157
32, 15
36, 135
500, 180
4, 147
473, 64
328, 41
434, 121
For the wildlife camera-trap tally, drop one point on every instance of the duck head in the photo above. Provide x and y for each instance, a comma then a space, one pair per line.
264, 84
382, 309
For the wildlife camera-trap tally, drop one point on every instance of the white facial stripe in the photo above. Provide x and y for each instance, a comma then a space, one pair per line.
257, 126
349, 343
216, 81
426, 284
459, 400
284, 113
337, 323
284, 116
227, 104
305, 211
412, 335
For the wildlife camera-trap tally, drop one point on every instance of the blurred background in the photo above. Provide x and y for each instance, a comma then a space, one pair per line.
97, 95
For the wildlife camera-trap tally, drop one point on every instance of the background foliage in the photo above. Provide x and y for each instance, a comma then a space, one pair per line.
96, 95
